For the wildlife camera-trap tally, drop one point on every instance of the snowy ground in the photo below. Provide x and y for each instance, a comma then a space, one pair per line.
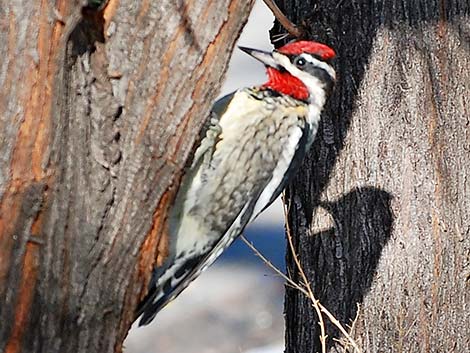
229, 309
235, 306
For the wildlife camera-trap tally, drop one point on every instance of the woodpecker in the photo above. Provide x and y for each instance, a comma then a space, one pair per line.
254, 143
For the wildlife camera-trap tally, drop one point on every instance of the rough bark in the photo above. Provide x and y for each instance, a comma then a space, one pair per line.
379, 210
99, 110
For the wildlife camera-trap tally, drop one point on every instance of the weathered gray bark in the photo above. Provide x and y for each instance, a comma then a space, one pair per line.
98, 113
380, 209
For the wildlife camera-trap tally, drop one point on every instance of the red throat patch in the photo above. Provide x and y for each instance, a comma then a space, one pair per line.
285, 83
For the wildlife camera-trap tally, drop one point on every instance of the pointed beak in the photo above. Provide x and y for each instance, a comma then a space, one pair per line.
265, 57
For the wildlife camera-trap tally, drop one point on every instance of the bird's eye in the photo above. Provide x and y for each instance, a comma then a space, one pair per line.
300, 62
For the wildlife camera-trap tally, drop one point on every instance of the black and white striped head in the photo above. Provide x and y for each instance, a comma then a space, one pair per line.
300, 69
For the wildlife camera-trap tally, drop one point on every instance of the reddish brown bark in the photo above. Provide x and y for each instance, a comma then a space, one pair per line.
99, 111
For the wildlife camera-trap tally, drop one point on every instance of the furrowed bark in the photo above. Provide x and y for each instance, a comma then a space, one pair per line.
379, 210
99, 110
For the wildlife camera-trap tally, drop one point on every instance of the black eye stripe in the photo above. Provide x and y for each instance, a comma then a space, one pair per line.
293, 57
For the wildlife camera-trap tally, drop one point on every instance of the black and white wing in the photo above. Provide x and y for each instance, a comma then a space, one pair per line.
240, 168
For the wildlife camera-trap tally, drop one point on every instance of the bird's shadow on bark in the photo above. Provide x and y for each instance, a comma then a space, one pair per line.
343, 257
341, 261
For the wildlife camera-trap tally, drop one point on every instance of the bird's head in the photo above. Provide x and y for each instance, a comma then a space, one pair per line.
300, 69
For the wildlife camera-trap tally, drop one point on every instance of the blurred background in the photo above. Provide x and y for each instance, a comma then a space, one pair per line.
236, 306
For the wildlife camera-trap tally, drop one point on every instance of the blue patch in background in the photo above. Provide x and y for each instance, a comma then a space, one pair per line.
270, 241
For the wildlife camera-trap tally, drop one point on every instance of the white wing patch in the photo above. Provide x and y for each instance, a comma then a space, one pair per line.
278, 173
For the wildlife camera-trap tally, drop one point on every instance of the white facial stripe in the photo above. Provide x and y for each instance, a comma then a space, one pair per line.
320, 64
313, 84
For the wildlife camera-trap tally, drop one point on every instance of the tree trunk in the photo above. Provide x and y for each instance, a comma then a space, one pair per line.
99, 110
380, 209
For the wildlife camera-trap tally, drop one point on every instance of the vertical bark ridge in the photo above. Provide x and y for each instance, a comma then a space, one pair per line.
97, 124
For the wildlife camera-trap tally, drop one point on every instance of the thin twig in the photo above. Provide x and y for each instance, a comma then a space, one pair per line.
289, 281
278, 37
316, 303
344, 342
340, 327
283, 20
305, 289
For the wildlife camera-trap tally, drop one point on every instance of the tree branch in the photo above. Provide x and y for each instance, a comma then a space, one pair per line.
283, 20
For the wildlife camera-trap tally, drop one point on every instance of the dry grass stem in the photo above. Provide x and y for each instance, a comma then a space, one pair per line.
310, 295
340, 327
319, 308
289, 281
345, 342
305, 288
307, 291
